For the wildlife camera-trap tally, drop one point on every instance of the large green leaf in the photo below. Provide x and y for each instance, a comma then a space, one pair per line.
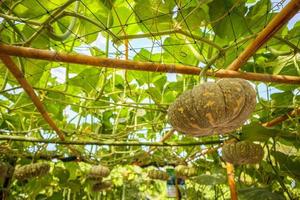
289, 164
259, 194
215, 179
256, 132
86, 80
228, 25
157, 16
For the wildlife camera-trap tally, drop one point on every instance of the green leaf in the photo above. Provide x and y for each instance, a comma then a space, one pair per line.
228, 26
74, 170
206, 179
62, 174
87, 79
157, 16
177, 52
259, 194
255, 16
191, 18
42, 41
256, 132
288, 164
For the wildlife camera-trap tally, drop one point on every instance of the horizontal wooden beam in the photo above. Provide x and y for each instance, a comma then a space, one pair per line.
110, 143
140, 66
275, 24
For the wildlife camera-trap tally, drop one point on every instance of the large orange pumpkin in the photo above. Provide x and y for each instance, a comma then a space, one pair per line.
213, 108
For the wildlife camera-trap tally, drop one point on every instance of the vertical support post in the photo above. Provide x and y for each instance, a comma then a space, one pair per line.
231, 181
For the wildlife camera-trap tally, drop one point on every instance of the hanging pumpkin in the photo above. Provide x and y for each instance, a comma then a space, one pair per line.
243, 152
3, 172
158, 174
97, 172
213, 108
101, 186
183, 171
32, 170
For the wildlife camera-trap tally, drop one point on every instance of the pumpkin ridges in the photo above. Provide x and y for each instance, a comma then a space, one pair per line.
234, 97
191, 122
31, 170
179, 109
101, 186
213, 108
158, 174
174, 113
208, 104
243, 152
215, 95
249, 105
98, 171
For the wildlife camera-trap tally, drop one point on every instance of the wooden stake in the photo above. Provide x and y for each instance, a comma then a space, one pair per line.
277, 22
231, 182
282, 118
29, 90
141, 66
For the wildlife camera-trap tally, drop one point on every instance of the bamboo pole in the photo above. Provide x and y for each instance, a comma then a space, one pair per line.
276, 23
282, 118
140, 66
12, 67
111, 143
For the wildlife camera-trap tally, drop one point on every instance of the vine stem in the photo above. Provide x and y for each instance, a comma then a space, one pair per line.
140, 66
101, 143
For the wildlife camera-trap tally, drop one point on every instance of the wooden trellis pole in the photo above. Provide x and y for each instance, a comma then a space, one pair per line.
110, 143
282, 118
141, 66
231, 182
276, 23
12, 67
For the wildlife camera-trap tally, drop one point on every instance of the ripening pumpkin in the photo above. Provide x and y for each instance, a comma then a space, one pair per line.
101, 186
157, 174
32, 170
98, 171
183, 171
3, 172
243, 152
213, 108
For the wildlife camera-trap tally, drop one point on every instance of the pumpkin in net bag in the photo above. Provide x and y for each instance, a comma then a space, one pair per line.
213, 108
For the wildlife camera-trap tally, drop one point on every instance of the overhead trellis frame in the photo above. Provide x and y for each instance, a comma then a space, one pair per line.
141, 66
277, 22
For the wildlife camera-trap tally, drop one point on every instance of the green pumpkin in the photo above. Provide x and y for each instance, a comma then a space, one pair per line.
32, 170
158, 174
243, 152
213, 108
